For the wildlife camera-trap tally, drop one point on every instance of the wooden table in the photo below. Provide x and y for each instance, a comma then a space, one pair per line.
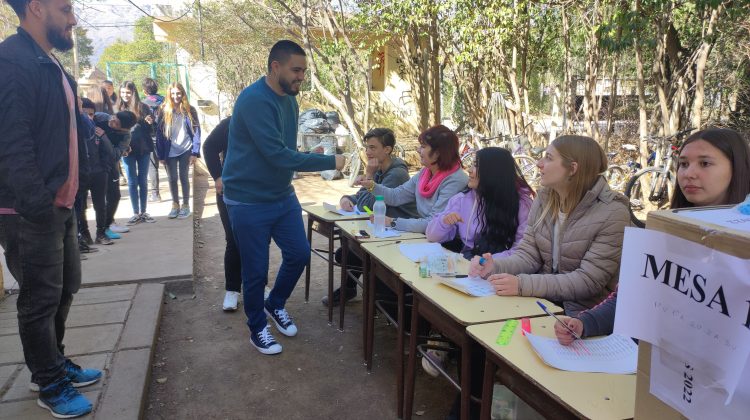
323, 222
552, 392
386, 263
450, 312
349, 230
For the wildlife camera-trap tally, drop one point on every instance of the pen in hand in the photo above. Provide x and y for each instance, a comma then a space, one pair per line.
570, 330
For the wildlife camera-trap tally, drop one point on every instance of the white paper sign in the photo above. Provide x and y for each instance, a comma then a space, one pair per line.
689, 300
676, 382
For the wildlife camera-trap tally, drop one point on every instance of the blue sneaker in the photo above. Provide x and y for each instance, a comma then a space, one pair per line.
112, 235
264, 341
78, 376
284, 322
62, 400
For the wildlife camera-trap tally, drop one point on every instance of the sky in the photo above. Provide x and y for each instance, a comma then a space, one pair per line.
110, 20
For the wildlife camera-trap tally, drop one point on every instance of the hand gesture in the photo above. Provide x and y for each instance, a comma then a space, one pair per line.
451, 219
563, 335
149, 119
340, 162
98, 131
219, 186
504, 284
482, 270
193, 158
362, 181
346, 204
372, 167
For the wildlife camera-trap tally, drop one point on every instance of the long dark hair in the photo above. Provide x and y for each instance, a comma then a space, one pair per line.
501, 184
736, 149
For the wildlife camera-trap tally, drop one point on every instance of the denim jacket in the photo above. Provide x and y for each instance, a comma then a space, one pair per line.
163, 143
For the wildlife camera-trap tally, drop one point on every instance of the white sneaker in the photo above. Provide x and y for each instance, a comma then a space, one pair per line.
264, 342
266, 293
231, 300
114, 227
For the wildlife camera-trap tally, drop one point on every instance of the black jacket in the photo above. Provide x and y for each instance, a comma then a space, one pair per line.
34, 129
215, 148
101, 154
120, 140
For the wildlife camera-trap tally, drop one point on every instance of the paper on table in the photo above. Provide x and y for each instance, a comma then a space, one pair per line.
472, 286
611, 354
416, 252
332, 208
389, 232
731, 217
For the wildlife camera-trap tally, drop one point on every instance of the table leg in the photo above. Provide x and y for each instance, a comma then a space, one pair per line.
365, 300
412, 364
370, 317
488, 384
307, 269
400, 349
330, 276
465, 376
344, 279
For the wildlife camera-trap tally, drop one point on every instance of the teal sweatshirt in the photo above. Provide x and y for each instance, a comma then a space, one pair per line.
262, 151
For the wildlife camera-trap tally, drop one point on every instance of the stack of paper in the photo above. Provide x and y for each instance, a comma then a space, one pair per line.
611, 354
332, 208
416, 252
472, 286
389, 232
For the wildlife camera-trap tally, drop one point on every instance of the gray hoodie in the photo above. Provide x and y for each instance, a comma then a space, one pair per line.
427, 208
395, 175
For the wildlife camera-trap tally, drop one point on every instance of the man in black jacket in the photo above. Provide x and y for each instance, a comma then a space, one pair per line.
41, 159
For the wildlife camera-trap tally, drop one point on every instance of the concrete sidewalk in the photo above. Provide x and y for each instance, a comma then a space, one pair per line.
115, 317
112, 328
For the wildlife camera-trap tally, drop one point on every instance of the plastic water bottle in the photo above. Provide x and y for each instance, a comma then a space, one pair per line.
379, 210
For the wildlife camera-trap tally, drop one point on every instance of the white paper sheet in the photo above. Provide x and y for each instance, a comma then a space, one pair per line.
688, 299
334, 209
416, 252
611, 354
729, 217
389, 232
676, 382
472, 286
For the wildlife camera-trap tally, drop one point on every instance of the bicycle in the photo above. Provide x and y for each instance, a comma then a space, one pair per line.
651, 188
617, 176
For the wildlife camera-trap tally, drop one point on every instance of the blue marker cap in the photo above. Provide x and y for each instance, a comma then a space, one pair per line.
482, 260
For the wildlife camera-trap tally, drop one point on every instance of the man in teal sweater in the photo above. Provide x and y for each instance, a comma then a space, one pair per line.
257, 176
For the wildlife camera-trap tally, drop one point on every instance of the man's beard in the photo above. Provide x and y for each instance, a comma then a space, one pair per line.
59, 39
287, 87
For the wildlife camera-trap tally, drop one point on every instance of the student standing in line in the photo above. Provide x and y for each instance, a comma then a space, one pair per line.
440, 179
141, 146
258, 191
178, 145
101, 159
382, 168
713, 169
100, 99
117, 127
109, 88
43, 156
154, 101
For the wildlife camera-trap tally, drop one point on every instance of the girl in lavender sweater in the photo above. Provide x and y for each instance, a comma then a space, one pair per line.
490, 216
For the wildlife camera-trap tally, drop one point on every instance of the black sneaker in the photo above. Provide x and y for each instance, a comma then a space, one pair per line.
264, 341
284, 322
86, 236
350, 293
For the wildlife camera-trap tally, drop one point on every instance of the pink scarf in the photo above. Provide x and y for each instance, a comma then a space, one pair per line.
429, 183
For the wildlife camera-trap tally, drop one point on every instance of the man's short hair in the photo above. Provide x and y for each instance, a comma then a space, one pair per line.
127, 119
19, 6
385, 136
108, 82
87, 103
150, 86
282, 50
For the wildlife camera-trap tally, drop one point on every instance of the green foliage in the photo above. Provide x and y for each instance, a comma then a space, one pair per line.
85, 51
143, 48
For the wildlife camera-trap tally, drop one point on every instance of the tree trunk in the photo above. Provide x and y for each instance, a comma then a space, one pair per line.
641, 83
569, 110
700, 66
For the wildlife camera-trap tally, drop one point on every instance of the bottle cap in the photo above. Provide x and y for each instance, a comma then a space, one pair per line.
378, 198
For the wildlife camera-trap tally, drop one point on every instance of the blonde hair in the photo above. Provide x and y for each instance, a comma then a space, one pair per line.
591, 161
168, 108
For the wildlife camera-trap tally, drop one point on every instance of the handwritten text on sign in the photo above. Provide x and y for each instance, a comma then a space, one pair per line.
690, 300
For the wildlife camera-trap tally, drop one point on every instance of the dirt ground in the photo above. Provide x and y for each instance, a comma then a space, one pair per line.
205, 367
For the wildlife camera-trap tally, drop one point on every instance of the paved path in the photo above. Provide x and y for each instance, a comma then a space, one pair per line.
111, 328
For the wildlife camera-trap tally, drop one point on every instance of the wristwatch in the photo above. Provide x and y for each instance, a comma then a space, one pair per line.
393, 223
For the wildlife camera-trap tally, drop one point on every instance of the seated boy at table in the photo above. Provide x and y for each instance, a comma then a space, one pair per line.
382, 168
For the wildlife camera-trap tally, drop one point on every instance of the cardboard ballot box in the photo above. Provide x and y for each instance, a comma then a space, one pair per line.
730, 235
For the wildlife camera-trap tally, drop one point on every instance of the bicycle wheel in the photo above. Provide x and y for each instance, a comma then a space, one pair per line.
353, 167
648, 190
616, 177
528, 168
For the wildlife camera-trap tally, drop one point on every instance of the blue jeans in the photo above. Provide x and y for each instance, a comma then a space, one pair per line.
136, 169
253, 226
